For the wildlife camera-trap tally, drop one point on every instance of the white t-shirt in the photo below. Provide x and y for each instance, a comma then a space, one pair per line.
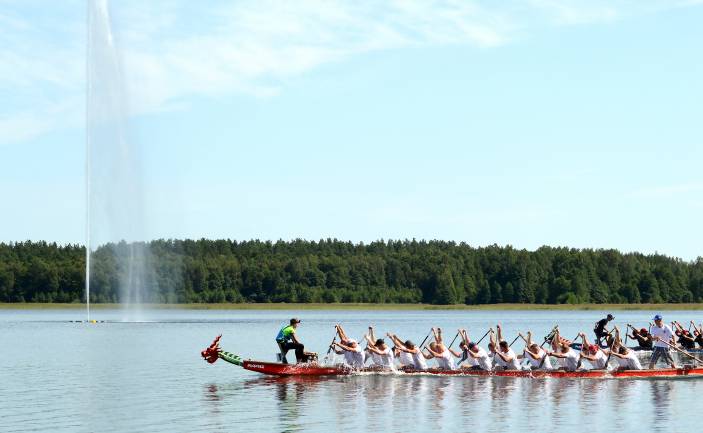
571, 361
384, 360
406, 359
483, 360
664, 333
536, 362
419, 361
445, 360
600, 362
630, 362
355, 358
513, 364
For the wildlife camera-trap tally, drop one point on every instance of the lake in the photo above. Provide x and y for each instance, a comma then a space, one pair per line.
56, 375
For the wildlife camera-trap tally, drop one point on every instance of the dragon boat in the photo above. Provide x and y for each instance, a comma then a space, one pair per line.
314, 369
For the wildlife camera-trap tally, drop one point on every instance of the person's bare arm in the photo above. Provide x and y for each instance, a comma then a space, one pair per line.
372, 334
528, 342
341, 333
503, 356
375, 350
464, 337
500, 333
433, 353
438, 336
455, 353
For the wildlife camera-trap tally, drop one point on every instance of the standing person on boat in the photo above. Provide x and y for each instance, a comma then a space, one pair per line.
505, 356
381, 354
538, 358
350, 348
288, 340
661, 334
644, 340
686, 340
600, 330
441, 353
416, 358
567, 357
594, 354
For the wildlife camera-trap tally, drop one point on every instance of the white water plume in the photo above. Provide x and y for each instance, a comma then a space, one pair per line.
115, 231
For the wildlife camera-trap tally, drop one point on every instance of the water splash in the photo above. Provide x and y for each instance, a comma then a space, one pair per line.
115, 217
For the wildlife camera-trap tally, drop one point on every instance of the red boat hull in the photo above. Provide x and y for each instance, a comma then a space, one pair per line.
277, 369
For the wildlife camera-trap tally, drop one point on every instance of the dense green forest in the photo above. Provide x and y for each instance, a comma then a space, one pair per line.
435, 272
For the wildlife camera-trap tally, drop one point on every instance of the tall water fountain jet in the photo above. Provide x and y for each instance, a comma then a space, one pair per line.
115, 220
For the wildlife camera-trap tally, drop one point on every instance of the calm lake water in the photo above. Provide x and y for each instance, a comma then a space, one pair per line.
61, 376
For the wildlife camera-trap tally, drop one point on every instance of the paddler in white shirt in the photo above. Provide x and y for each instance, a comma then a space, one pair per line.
505, 356
441, 353
597, 357
353, 353
626, 358
567, 357
410, 355
381, 354
537, 357
476, 358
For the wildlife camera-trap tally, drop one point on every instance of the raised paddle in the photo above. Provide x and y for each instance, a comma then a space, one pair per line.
423, 341
484, 336
513, 342
683, 352
455, 337
546, 339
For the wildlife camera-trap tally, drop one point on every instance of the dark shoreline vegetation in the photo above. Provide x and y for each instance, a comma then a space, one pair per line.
332, 271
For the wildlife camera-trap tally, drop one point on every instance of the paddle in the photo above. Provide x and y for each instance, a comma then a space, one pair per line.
610, 352
423, 341
681, 351
484, 336
551, 334
455, 337
513, 342
334, 340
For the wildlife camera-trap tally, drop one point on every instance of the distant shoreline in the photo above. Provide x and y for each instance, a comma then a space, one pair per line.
361, 307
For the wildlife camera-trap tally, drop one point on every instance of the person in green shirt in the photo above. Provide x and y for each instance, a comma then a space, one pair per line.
287, 340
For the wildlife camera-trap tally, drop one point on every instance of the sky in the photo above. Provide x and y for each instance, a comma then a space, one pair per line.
528, 123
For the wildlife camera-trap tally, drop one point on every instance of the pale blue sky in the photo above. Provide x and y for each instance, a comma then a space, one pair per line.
524, 123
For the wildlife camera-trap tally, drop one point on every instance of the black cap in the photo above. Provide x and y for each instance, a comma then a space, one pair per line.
294, 320
610, 317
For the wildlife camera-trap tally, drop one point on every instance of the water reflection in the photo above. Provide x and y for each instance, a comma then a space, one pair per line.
390, 403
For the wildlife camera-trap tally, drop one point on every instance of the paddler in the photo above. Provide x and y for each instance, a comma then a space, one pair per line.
350, 348
538, 358
441, 353
600, 330
644, 340
410, 356
476, 357
505, 357
698, 334
567, 357
381, 354
686, 340
626, 358
288, 340
597, 357
661, 334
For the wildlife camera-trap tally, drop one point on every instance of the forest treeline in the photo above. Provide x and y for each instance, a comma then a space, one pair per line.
409, 271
